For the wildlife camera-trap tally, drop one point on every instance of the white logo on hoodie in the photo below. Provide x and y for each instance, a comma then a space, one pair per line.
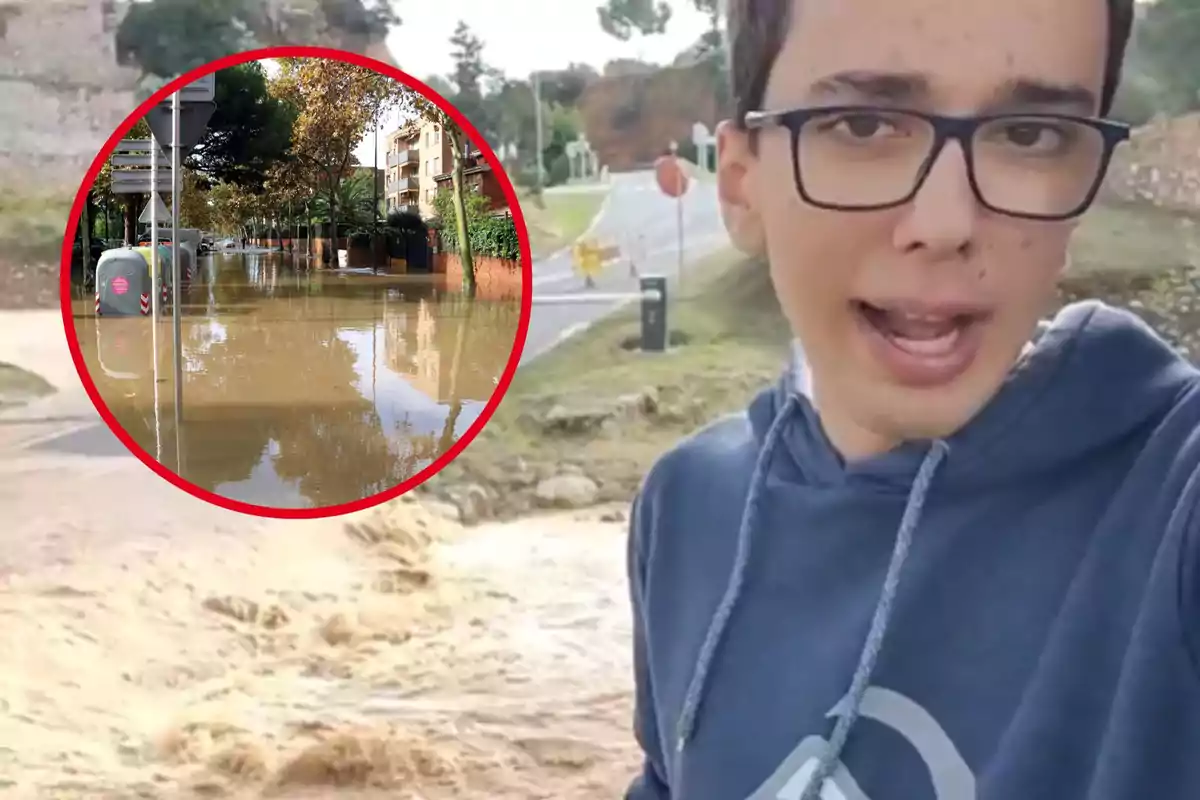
951, 777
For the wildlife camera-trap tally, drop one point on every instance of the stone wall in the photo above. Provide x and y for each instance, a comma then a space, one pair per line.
61, 91
1160, 165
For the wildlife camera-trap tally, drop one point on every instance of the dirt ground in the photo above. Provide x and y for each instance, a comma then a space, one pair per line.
395, 656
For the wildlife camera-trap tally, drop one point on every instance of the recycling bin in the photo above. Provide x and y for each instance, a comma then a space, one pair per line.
123, 283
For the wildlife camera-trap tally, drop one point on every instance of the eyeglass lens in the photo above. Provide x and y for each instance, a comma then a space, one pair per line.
1035, 166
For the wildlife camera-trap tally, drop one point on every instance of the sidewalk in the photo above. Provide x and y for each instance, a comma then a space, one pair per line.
68, 487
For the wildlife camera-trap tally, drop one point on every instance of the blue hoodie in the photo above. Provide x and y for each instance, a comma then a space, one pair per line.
1013, 612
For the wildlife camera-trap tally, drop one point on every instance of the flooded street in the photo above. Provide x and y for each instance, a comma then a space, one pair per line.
301, 388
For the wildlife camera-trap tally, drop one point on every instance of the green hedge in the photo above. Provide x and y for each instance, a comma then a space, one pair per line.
490, 236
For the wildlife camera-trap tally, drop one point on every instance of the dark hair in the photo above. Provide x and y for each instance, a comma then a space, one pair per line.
756, 31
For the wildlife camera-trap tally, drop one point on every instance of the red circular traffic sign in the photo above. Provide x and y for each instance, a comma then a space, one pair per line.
672, 180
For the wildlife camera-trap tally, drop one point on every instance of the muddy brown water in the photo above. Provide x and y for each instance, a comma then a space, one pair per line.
301, 388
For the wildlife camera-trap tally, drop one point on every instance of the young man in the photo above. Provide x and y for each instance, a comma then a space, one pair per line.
966, 563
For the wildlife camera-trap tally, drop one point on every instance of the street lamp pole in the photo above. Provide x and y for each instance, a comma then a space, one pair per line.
537, 114
375, 195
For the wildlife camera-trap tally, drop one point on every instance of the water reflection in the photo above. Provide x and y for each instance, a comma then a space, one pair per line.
302, 388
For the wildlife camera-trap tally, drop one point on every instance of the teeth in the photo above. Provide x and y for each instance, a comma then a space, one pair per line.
929, 348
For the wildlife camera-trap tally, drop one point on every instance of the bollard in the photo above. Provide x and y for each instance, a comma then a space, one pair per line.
654, 313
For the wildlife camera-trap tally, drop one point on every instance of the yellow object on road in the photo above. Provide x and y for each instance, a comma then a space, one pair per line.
590, 257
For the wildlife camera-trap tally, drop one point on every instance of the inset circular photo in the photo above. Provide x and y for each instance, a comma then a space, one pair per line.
296, 282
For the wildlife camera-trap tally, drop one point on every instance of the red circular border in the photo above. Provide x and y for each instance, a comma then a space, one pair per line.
526, 283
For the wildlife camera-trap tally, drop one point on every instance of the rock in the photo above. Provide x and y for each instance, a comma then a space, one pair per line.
613, 516
443, 510
560, 419
474, 502
567, 491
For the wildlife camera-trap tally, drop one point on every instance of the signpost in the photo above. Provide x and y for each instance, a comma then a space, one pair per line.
177, 126
673, 182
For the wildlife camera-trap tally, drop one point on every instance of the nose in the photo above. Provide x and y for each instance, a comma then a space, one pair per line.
941, 219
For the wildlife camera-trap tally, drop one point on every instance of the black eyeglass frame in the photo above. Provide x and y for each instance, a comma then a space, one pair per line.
945, 128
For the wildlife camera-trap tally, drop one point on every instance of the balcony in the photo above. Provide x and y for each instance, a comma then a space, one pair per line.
408, 183
403, 158
409, 208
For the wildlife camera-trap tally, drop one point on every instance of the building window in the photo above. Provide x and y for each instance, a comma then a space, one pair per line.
437, 165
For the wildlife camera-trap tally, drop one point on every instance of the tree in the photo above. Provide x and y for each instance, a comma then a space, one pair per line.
623, 18
565, 87
334, 103
249, 132
169, 37
232, 207
472, 79
421, 107
194, 210
1168, 40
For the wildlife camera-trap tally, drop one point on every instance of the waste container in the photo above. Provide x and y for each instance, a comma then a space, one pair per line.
123, 282
164, 266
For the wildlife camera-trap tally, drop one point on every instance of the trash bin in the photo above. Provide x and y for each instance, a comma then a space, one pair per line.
164, 266
123, 283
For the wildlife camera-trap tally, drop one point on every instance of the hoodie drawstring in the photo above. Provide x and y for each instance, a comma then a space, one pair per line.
716, 629
848, 709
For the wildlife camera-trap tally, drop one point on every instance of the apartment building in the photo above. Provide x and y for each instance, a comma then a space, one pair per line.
418, 166
478, 176
416, 154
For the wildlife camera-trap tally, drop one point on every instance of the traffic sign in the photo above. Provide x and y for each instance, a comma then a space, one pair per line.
193, 122
137, 181
201, 90
138, 146
160, 210
671, 178
138, 160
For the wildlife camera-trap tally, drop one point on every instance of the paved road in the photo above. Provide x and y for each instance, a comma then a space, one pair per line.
638, 218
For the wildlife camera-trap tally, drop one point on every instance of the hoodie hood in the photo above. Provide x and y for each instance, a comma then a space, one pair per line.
1094, 376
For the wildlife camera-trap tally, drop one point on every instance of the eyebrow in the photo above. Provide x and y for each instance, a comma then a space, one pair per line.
1023, 93
912, 87
888, 86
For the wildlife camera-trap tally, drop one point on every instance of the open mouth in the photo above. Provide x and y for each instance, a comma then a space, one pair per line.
922, 346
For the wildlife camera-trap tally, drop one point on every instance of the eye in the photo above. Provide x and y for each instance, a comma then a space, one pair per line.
860, 126
1034, 136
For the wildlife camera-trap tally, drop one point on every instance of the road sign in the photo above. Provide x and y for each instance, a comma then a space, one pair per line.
201, 90
138, 160
137, 181
193, 122
139, 146
160, 211
671, 178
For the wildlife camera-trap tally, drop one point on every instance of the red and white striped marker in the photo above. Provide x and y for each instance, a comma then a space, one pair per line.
97, 304
164, 293
145, 304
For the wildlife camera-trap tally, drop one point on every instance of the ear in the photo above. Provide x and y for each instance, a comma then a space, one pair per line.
737, 168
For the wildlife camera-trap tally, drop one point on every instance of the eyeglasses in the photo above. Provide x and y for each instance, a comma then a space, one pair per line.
865, 158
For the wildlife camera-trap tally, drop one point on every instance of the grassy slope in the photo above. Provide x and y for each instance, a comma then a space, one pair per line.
736, 345
559, 218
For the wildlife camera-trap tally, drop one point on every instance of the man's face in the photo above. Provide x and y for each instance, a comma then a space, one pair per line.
854, 283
